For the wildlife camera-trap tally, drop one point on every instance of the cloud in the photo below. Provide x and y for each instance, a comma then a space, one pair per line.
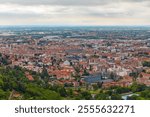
58, 2
68, 2
75, 11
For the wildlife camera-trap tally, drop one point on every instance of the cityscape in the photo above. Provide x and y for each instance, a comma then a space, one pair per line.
75, 62
75, 50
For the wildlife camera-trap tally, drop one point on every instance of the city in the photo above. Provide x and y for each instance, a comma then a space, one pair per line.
85, 60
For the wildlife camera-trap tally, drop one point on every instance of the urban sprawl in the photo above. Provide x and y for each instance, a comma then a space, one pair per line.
77, 56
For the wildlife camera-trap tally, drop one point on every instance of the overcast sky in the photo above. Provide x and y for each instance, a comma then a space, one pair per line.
75, 12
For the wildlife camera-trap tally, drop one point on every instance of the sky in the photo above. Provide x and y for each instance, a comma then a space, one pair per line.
74, 12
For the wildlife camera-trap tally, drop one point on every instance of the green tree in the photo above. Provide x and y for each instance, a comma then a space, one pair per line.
133, 97
138, 87
120, 90
4, 94
63, 92
86, 95
102, 96
116, 97
146, 64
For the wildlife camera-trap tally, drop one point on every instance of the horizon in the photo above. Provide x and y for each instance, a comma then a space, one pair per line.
49, 25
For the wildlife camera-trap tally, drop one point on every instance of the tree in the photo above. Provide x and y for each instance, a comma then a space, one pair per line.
86, 95
121, 90
85, 73
138, 87
44, 74
99, 84
4, 94
102, 96
133, 97
146, 64
70, 92
116, 97
145, 94
134, 75
95, 87
62, 92
37, 93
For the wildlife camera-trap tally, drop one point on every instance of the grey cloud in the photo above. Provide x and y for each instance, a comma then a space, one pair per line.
108, 13
66, 2
57, 2
72, 10
137, 0
14, 15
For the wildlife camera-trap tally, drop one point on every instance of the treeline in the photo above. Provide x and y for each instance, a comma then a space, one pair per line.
13, 79
116, 92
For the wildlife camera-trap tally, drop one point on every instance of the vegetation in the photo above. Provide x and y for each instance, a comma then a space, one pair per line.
14, 79
4, 59
146, 64
14, 84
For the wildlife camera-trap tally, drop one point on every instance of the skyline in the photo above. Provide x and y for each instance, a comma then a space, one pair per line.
75, 13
